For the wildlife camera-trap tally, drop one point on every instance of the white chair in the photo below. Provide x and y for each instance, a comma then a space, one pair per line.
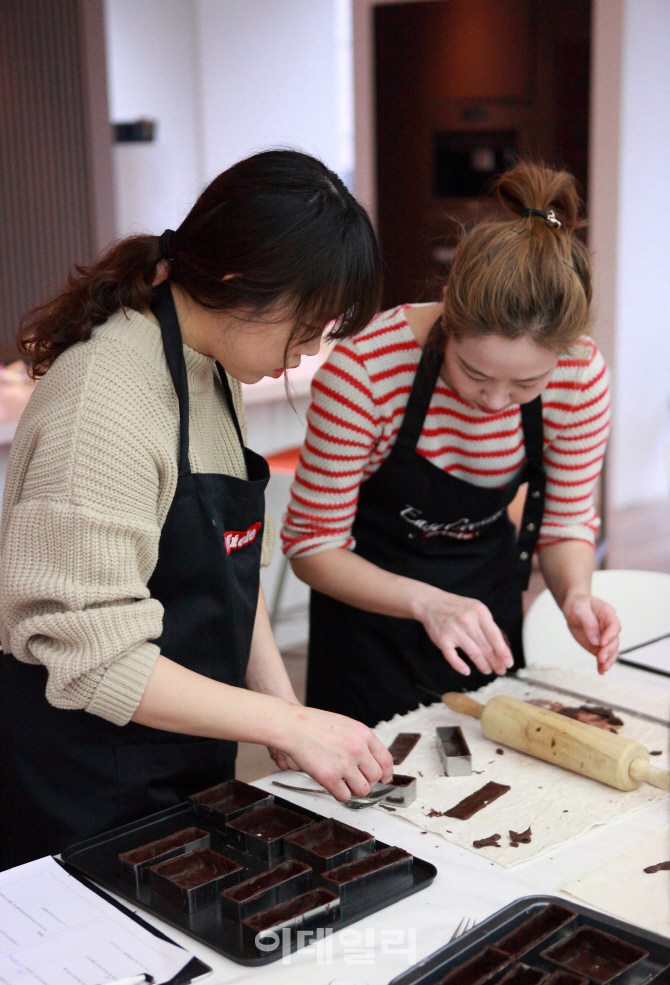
642, 603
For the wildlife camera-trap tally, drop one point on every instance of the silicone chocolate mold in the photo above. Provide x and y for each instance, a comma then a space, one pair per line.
228, 800
483, 967
302, 913
595, 955
390, 868
328, 844
266, 890
135, 863
261, 832
194, 880
535, 929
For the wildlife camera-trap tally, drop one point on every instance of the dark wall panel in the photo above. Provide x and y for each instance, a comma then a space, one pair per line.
47, 186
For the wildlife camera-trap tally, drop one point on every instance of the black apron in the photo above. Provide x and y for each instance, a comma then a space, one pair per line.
73, 774
415, 520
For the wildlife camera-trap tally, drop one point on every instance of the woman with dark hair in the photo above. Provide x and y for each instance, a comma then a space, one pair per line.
421, 430
137, 642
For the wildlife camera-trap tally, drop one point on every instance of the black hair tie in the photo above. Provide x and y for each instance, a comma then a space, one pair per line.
165, 244
549, 217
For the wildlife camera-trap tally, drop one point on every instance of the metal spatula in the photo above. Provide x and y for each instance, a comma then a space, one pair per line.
375, 794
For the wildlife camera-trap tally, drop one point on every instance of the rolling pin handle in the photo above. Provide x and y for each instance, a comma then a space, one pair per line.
643, 771
463, 704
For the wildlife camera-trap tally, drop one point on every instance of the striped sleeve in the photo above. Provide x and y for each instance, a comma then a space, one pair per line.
343, 430
576, 411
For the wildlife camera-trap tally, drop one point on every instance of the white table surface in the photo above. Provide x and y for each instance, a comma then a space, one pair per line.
465, 886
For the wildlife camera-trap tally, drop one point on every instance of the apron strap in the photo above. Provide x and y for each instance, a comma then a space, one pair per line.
164, 310
229, 400
535, 476
422, 391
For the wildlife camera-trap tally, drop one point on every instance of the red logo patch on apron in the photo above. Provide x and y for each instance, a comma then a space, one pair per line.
234, 539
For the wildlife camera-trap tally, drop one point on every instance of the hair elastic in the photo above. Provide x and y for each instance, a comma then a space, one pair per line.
165, 244
549, 217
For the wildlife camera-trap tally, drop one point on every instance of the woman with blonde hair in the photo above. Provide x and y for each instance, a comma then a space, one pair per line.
421, 430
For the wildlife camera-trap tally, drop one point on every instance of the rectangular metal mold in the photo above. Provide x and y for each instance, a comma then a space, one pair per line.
531, 912
537, 928
225, 801
134, 864
389, 868
594, 954
523, 974
97, 859
454, 752
486, 966
194, 880
263, 891
328, 844
318, 908
404, 791
262, 831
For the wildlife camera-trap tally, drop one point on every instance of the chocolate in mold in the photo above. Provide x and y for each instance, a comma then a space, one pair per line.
659, 867
260, 832
402, 746
135, 863
517, 838
594, 954
373, 874
538, 926
283, 882
483, 967
302, 913
523, 974
469, 806
194, 880
559, 977
493, 841
327, 844
227, 800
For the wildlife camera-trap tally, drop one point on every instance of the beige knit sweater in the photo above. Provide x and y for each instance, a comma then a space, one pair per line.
91, 476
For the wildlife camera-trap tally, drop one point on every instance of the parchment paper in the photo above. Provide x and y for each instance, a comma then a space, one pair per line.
559, 806
645, 899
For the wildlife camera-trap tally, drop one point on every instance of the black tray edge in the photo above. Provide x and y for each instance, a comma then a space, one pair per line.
433, 960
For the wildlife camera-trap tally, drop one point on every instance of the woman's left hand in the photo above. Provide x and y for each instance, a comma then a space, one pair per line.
595, 626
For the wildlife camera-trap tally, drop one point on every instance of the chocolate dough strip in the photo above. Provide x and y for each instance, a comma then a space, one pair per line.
402, 746
477, 800
657, 868
493, 841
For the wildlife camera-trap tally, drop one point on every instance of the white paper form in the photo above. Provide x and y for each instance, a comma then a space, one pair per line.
55, 931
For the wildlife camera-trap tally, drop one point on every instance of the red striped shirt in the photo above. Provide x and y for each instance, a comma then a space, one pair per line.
359, 398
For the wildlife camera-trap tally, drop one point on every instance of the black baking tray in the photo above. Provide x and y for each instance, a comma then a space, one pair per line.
97, 859
655, 968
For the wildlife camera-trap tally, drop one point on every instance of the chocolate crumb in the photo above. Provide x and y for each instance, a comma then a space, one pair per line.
433, 813
656, 752
493, 841
553, 743
517, 838
387, 808
657, 868
501, 752
478, 772
424, 832
566, 811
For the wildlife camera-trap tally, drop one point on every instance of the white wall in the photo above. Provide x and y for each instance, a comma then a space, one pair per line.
223, 79
153, 73
272, 76
642, 333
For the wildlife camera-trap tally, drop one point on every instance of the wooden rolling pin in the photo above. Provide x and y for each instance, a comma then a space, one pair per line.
576, 746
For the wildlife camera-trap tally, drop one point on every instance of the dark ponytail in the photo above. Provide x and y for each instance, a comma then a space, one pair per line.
280, 221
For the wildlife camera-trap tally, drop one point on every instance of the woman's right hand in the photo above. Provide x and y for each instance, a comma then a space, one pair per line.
343, 755
454, 621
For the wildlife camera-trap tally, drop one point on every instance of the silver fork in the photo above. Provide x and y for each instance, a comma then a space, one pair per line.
466, 924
